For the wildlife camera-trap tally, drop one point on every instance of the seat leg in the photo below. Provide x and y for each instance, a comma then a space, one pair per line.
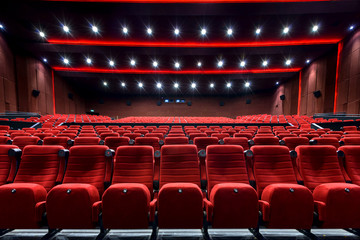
307, 233
353, 231
154, 232
5, 231
102, 234
205, 228
256, 233
51, 233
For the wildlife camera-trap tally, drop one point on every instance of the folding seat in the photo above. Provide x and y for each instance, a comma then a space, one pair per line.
87, 131
113, 126
142, 132
32, 132
21, 142
86, 141
3, 133
325, 141
70, 132
176, 135
242, 134
293, 142
336, 202
19, 134
15, 131
351, 132
350, 135
161, 130
220, 136
69, 135
266, 140
4, 127
72, 204
176, 140
350, 141
4, 140
194, 135
87, 135
158, 135
336, 132
126, 127
242, 141
264, 135
337, 136
349, 157
114, 142
283, 135
132, 136
9, 159
43, 135
230, 132
213, 127
53, 132
349, 128
180, 199
62, 141
126, 203
156, 144
104, 131
122, 132
22, 203
105, 135
309, 135
283, 202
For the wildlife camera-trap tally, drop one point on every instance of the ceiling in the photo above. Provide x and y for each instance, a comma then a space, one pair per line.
24, 20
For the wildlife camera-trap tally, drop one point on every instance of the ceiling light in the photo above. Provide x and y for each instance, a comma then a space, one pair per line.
308, 61
242, 64
277, 83
105, 83
199, 64
42, 34
229, 32
351, 27
88, 60
132, 62
288, 62
66, 61
228, 85
95, 29
158, 85
176, 31
155, 64
286, 30
193, 85
123, 84
176, 85
212, 85
44, 60
203, 31
1, 26
66, 29
177, 65
315, 28
220, 63
265, 63
149, 31
111, 63
140, 85
125, 30
258, 31
247, 84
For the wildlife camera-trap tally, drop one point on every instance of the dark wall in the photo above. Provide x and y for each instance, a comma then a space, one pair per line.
63, 103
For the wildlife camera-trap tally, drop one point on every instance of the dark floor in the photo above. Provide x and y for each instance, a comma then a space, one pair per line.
180, 234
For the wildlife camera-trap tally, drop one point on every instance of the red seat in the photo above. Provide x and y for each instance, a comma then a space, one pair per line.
4, 140
266, 140
8, 161
87, 135
43, 135
242, 134
62, 141
309, 135
132, 136
283, 135
325, 141
349, 128
22, 202
23, 141
19, 134
336, 202
158, 135
242, 141
351, 140
233, 202
114, 142
293, 142
155, 143
86, 141
105, 135
72, 136
176, 140
195, 135
220, 136
351, 162
338, 136
284, 203
70, 205
126, 203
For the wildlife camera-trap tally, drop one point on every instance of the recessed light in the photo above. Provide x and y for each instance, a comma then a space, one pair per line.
203, 31
242, 64
212, 85
140, 84
228, 85
111, 63
66, 61
177, 65
220, 63
176, 31
286, 30
123, 84
1, 26
247, 84
44, 60
193, 85
308, 61
149, 31
95, 29
199, 64
105, 83
351, 27
315, 28
158, 85
88, 60
155, 64
125, 30
42, 34
176, 85
288, 62
229, 32
258, 31
66, 29
132, 62
265, 63
277, 83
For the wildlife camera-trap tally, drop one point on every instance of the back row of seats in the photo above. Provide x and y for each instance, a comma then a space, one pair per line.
74, 193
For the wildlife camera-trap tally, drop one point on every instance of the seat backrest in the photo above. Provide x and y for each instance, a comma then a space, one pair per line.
7, 164
87, 164
43, 135
266, 140
23, 141
242, 141
293, 142
69, 135
134, 164
338, 136
195, 135
351, 140
4, 127
132, 135
4, 140
158, 135
225, 164
326, 141
352, 162
220, 136
62, 141
81, 135
105, 135
242, 134
176, 140
284, 135
272, 164
202, 142
309, 135
148, 141
115, 142
349, 128
179, 164
318, 165
86, 141
41, 165
19, 134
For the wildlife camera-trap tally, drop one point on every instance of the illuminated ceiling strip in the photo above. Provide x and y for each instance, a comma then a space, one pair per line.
194, 44
192, 1
140, 71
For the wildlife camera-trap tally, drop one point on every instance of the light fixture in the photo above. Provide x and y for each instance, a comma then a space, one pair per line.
1, 26
220, 63
88, 60
288, 62
308, 61
42, 34
258, 31
265, 63
351, 27
66, 29
247, 84
228, 85
140, 84
277, 83
111, 63
155, 64
193, 85
315, 28
66, 61
149, 31
158, 85
132, 62
199, 64
176, 31
177, 65
286, 30
203, 31
105, 83
125, 30
229, 32
242, 64
44, 60
212, 85
123, 84
95, 29
176, 85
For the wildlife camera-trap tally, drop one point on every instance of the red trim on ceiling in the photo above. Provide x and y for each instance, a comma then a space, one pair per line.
191, 1
340, 47
88, 42
53, 89
144, 71
299, 95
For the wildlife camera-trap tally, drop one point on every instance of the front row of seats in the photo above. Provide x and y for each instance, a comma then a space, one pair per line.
79, 197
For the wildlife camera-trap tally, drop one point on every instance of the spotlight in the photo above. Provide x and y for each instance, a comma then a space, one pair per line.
140, 85
132, 62
228, 85
265, 63
315, 28
199, 64
308, 61
149, 31
158, 85
193, 85
125, 30
155, 64
111, 63
95, 29
42, 34
288, 62
351, 27
176, 31
212, 85
277, 83
220, 63
1, 26
44, 60
229, 32
123, 84
88, 60
286, 30
258, 31
66, 29
66, 61
176, 85
105, 83
247, 84
177, 65
242, 64
203, 32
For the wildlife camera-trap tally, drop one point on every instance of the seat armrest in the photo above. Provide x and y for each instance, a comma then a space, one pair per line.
96, 209
152, 210
40, 209
265, 209
320, 208
209, 207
